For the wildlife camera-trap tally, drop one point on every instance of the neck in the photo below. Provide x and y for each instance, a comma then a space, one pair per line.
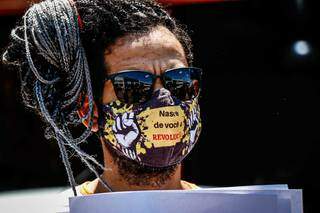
117, 183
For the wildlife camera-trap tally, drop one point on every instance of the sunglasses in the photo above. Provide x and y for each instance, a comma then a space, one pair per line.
136, 86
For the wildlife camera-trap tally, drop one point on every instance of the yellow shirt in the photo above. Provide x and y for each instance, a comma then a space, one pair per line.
84, 189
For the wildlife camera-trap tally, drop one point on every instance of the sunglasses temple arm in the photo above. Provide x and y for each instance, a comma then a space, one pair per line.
108, 77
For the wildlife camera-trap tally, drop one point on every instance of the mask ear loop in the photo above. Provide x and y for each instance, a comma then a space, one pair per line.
101, 122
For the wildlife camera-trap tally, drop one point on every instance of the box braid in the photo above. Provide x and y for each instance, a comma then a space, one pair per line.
58, 50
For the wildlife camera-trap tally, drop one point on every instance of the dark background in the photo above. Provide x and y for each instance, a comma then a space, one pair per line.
260, 103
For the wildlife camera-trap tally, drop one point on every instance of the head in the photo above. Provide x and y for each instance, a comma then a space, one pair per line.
113, 35
156, 51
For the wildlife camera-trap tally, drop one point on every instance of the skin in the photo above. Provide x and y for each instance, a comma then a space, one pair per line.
156, 52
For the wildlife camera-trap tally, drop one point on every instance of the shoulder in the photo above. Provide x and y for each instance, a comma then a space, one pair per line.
188, 186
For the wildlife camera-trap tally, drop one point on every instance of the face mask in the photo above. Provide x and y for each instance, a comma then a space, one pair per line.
157, 133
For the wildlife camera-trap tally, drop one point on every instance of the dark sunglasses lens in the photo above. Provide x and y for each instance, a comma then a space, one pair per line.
183, 83
133, 87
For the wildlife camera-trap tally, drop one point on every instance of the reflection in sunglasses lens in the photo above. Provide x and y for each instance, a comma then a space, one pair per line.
183, 83
133, 87
136, 86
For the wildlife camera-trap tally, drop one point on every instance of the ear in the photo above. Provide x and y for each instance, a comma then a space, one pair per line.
84, 110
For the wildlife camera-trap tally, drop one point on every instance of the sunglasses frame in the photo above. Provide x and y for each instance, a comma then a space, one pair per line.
154, 77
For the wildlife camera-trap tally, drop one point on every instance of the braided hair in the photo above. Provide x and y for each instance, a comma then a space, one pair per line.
58, 50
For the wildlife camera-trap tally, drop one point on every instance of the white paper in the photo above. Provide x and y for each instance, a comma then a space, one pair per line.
174, 201
240, 199
252, 187
289, 201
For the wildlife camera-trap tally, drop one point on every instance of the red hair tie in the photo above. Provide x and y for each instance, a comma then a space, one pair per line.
80, 22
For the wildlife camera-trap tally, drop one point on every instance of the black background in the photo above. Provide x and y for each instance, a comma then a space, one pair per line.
260, 103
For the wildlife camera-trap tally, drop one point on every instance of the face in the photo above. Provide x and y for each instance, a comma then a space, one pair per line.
155, 52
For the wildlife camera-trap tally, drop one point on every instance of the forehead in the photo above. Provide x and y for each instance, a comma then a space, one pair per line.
159, 47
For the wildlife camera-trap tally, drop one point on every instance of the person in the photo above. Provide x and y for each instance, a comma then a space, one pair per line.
119, 69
